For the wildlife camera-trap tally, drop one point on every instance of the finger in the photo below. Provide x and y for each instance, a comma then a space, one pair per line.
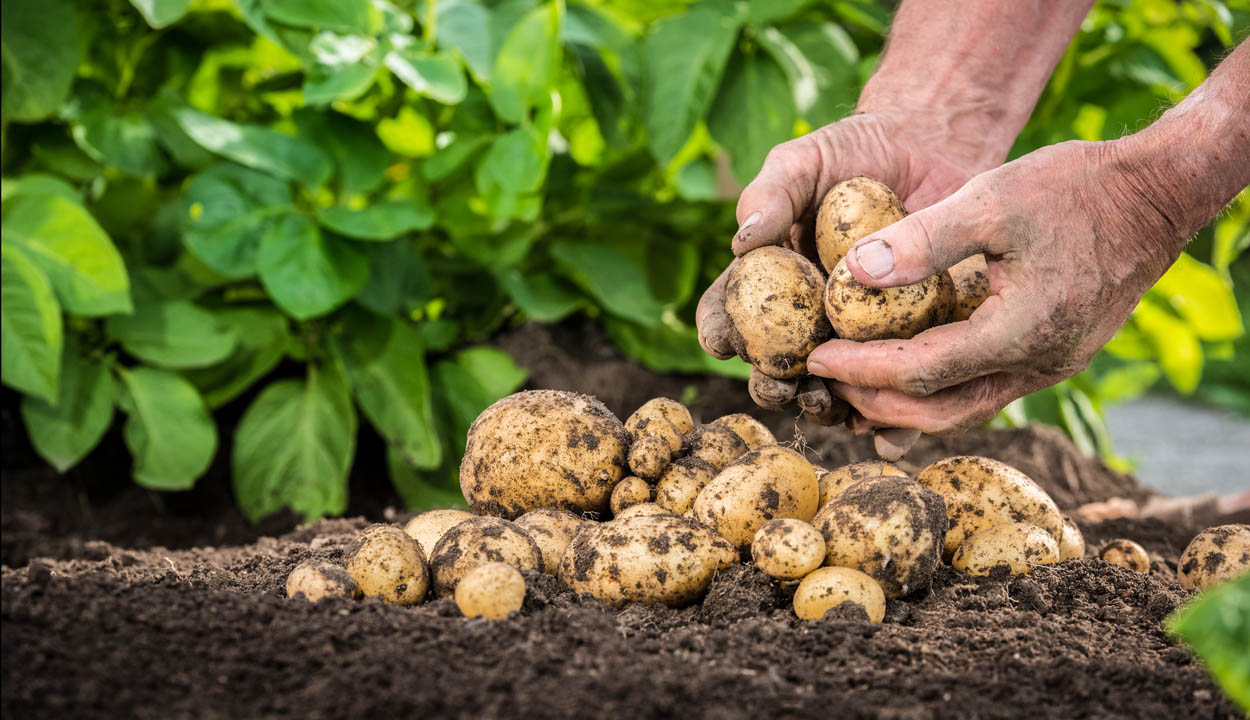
716, 330
893, 443
818, 404
858, 424
769, 392
777, 197
946, 412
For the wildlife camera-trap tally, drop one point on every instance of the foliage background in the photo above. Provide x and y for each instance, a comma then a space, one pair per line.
323, 209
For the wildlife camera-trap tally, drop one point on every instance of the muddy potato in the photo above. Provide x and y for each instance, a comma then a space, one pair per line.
717, 445
753, 432
430, 525
552, 529
788, 549
981, 493
664, 408
479, 541
773, 296
543, 448
828, 587
772, 482
972, 286
386, 563
859, 312
852, 210
1125, 553
838, 479
1215, 555
314, 581
1019, 547
1071, 541
642, 510
629, 492
650, 558
655, 442
681, 483
492, 591
890, 528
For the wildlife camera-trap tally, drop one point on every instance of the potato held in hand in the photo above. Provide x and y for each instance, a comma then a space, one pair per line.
386, 563
852, 210
772, 482
773, 296
862, 313
1215, 555
972, 286
1016, 548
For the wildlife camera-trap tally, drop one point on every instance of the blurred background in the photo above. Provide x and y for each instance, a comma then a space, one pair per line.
242, 230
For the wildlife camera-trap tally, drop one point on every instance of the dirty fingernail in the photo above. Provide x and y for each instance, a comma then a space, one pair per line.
751, 220
876, 258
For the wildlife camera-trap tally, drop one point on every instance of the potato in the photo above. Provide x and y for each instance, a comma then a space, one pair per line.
386, 563
828, 587
650, 558
852, 210
717, 445
1071, 541
429, 526
543, 448
772, 482
890, 528
681, 483
643, 509
838, 479
492, 591
665, 408
773, 297
479, 541
552, 530
628, 492
1018, 547
1215, 555
1125, 553
972, 286
655, 442
981, 493
788, 549
314, 581
859, 312
753, 432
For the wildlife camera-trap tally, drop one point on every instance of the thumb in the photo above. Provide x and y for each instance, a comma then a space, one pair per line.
773, 202
918, 246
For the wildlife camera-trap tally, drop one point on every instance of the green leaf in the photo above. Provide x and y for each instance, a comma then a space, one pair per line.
340, 15
345, 69
175, 334
465, 26
38, 184
383, 220
31, 322
437, 75
229, 210
361, 159
120, 139
169, 431
453, 157
161, 13
1217, 626
821, 63
262, 339
515, 163
762, 12
670, 346
1124, 383
1202, 297
754, 82
294, 447
615, 273
543, 297
470, 382
1175, 344
416, 489
493, 369
685, 57
80, 260
399, 279
260, 148
306, 272
526, 63
39, 45
65, 431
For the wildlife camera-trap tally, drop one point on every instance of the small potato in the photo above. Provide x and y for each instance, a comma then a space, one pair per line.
681, 484
972, 286
661, 559
1018, 547
314, 581
717, 446
829, 587
753, 432
788, 549
628, 492
1125, 553
772, 482
642, 510
429, 526
479, 541
386, 563
838, 479
492, 591
852, 210
859, 312
1071, 541
655, 443
773, 296
552, 529
1215, 555
664, 408
981, 493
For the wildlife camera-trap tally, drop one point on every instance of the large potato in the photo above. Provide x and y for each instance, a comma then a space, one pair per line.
829, 587
476, 542
859, 312
838, 479
681, 483
648, 558
772, 482
543, 448
314, 581
1215, 555
552, 530
852, 210
753, 432
717, 445
492, 591
1017, 547
788, 549
972, 286
773, 296
429, 526
386, 563
890, 528
664, 408
981, 493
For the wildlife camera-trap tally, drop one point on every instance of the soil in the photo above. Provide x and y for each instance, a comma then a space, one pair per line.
114, 603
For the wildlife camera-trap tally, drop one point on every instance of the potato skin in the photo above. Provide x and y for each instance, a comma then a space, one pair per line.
1071, 541
314, 581
753, 432
552, 529
479, 541
543, 448
717, 445
828, 587
838, 479
492, 591
1015, 546
386, 563
665, 408
788, 549
655, 442
862, 313
773, 296
890, 528
972, 286
981, 492
852, 210
681, 483
642, 510
661, 559
629, 492
1125, 553
772, 482
1214, 555
430, 525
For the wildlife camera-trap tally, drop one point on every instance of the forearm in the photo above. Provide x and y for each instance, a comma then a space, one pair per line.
974, 67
